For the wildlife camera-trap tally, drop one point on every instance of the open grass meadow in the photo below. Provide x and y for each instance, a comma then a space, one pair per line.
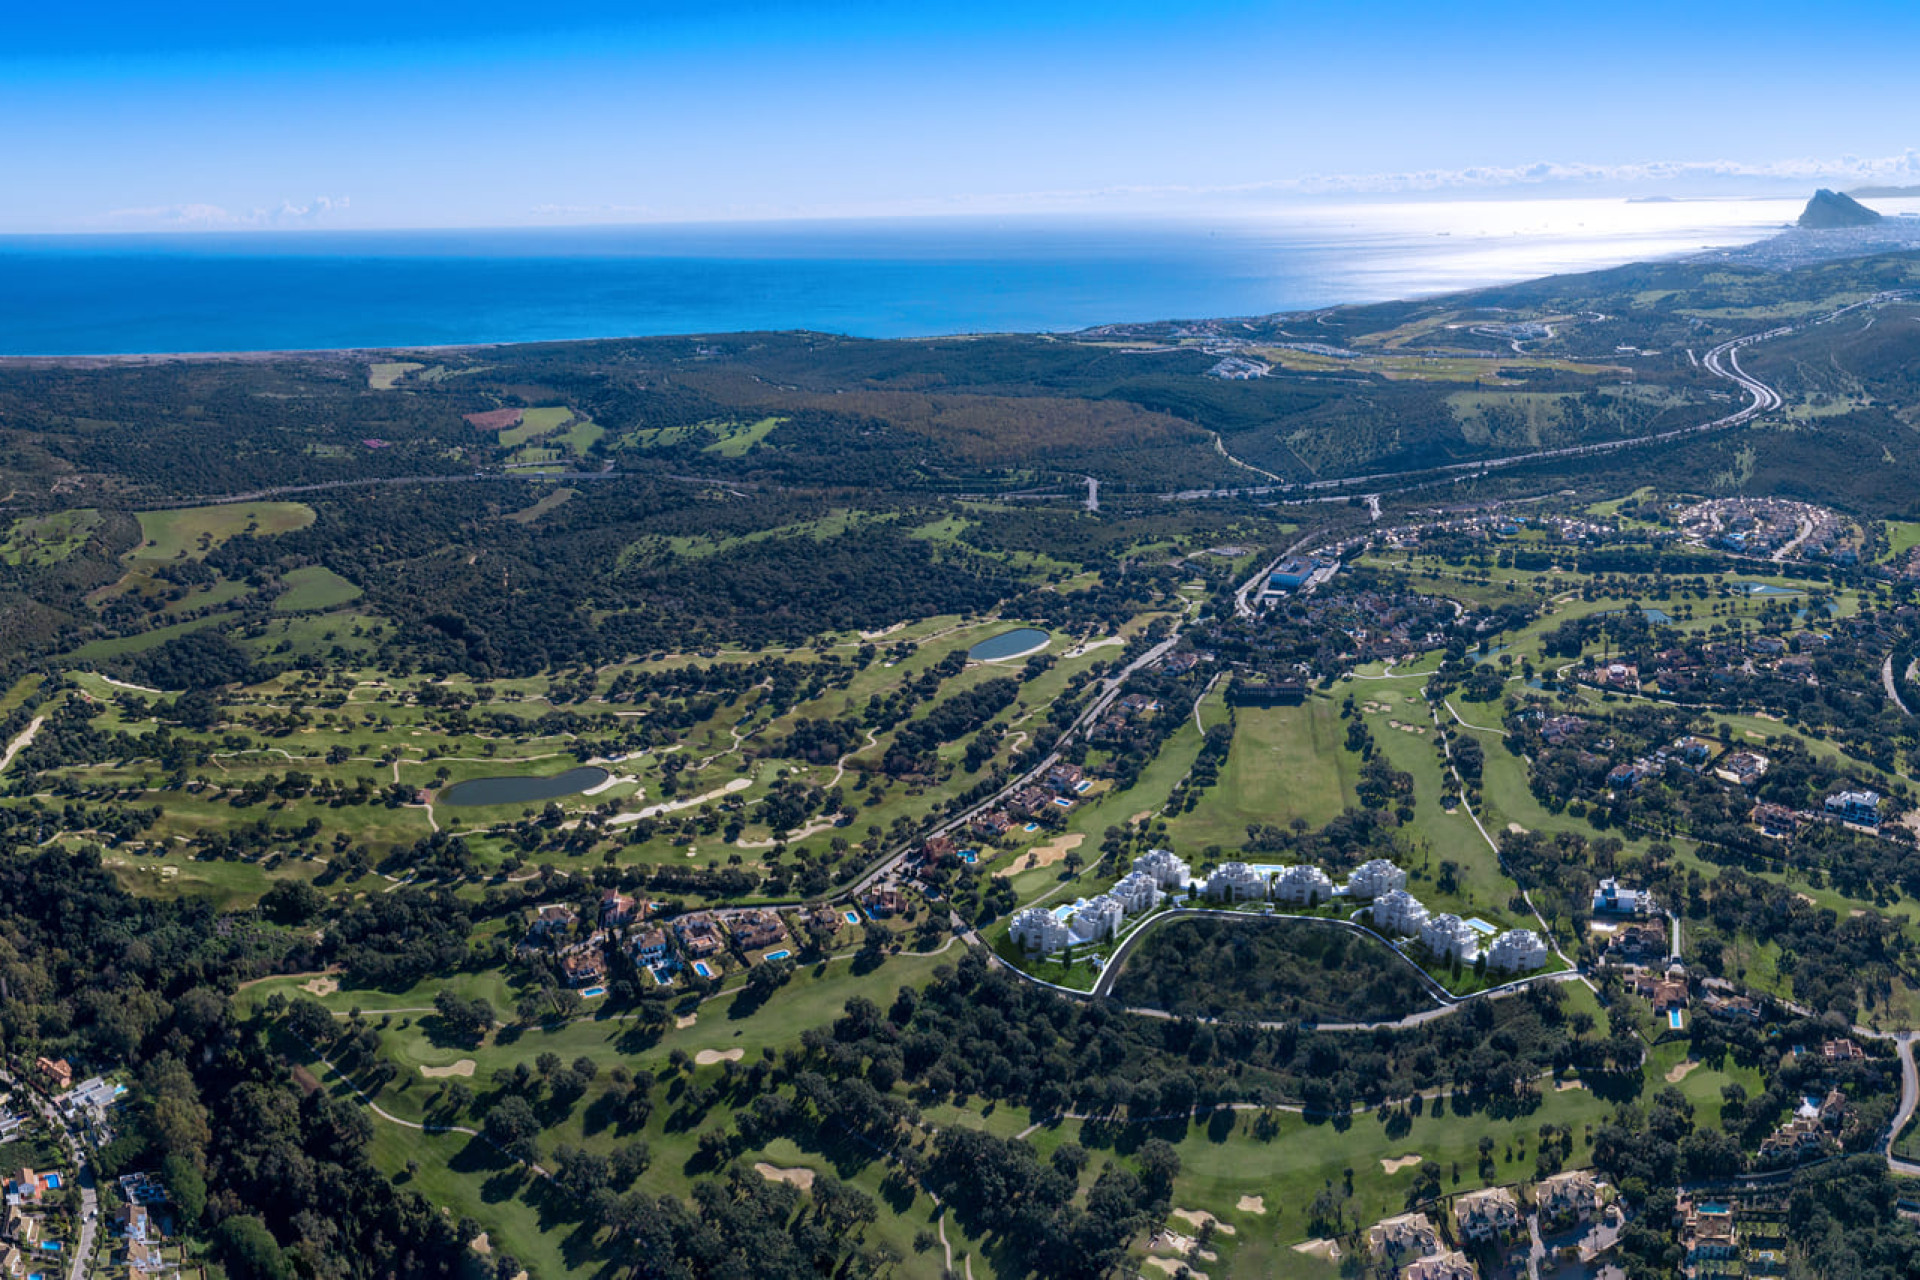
188, 533
1286, 763
314, 587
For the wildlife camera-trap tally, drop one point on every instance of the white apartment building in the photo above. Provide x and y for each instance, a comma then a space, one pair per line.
1305, 886
1096, 919
1398, 912
1373, 878
1136, 892
1038, 930
1236, 882
1448, 937
1517, 951
1169, 872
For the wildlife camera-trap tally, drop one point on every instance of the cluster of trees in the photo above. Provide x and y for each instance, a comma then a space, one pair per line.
1263, 971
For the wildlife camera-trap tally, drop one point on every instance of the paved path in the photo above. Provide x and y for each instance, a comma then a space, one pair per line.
1886, 678
1909, 1098
21, 742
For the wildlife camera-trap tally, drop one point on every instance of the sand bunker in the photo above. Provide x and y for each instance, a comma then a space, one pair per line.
1046, 855
1172, 1266
1563, 1085
1516, 828
480, 1244
1328, 1249
1407, 728
1200, 1218
707, 1057
686, 1020
1397, 1163
1252, 1204
464, 1067
320, 986
801, 1178
1681, 1070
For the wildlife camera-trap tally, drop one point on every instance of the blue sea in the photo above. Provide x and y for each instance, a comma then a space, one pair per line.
119, 294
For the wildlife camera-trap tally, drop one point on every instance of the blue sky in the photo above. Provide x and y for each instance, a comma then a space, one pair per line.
354, 114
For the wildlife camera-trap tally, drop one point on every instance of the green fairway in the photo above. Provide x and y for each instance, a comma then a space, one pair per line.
1286, 763
314, 587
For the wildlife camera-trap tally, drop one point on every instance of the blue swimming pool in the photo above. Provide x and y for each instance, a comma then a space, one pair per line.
970, 856
702, 968
592, 993
778, 955
852, 917
1480, 926
1673, 1019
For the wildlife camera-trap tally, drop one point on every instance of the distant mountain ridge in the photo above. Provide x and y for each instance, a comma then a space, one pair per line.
1830, 209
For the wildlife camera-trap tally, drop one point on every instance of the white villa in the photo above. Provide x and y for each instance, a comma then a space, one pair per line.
1039, 930
1517, 951
1611, 898
1235, 882
1397, 911
1168, 872
1136, 892
1307, 886
1373, 878
1448, 937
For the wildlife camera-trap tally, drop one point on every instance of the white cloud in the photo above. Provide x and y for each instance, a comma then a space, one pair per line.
212, 217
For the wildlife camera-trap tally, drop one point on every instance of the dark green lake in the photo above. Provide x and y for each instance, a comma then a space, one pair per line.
1009, 643
524, 790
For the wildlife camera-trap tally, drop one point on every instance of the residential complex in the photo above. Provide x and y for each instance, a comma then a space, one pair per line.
1517, 951
1168, 871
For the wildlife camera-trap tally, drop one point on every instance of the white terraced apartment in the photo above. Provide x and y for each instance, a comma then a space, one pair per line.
1306, 886
1097, 919
1168, 871
1517, 951
1398, 912
1236, 882
1373, 878
1038, 930
1448, 937
1136, 892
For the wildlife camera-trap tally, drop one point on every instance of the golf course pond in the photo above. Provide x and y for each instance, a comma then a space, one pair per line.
1010, 644
523, 790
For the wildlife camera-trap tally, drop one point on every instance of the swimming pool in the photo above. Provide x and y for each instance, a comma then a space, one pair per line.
777, 955
969, 856
53, 1182
702, 968
1032, 826
1063, 802
593, 993
1673, 1019
852, 917
1480, 926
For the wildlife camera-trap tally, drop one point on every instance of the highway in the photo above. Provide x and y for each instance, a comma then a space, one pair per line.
1723, 361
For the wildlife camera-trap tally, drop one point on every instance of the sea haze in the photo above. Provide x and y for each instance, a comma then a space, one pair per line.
110, 294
